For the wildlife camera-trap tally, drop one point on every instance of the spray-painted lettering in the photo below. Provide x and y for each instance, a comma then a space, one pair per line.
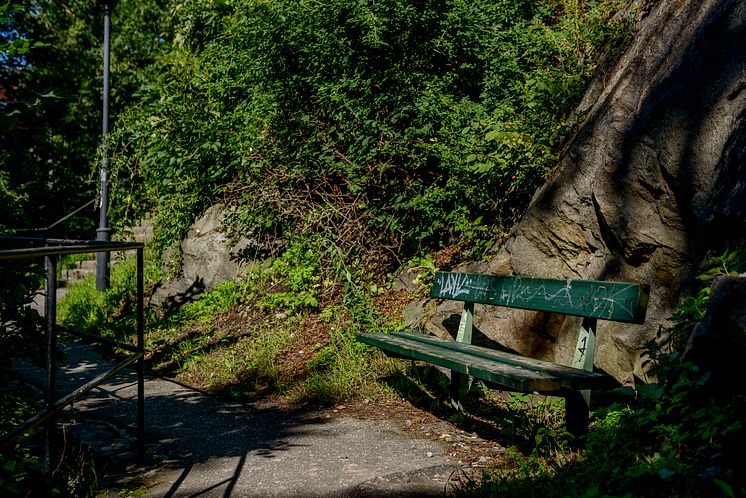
456, 284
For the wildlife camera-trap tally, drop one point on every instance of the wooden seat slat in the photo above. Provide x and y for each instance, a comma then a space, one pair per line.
511, 376
570, 378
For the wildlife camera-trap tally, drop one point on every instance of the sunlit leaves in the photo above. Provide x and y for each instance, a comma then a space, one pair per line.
431, 114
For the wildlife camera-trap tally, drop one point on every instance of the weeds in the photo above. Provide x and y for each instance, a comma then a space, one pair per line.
71, 261
345, 368
267, 333
110, 313
674, 438
74, 472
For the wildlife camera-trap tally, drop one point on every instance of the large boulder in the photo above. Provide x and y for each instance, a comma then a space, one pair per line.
208, 256
654, 178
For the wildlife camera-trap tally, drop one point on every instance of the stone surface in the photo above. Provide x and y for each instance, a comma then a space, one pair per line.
654, 178
174, 294
208, 256
406, 279
142, 232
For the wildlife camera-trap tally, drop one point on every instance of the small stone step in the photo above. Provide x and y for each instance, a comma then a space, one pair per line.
88, 264
141, 233
77, 273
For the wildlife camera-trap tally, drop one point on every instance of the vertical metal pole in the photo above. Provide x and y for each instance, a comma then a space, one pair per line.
104, 232
50, 311
140, 362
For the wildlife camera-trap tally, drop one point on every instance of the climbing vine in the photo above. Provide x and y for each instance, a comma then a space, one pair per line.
392, 124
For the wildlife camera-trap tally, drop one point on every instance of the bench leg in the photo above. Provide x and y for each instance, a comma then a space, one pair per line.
576, 414
459, 388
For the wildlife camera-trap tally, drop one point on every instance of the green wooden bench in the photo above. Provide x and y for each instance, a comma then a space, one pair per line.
590, 299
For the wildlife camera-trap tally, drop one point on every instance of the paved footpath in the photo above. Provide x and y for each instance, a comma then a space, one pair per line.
210, 448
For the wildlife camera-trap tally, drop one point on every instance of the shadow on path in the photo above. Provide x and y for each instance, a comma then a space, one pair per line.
208, 447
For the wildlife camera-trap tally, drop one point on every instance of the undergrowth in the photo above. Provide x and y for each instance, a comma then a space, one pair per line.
73, 473
278, 330
674, 437
667, 438
342, 146
358, 127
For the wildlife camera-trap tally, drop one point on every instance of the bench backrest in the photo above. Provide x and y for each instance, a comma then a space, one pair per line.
617, 301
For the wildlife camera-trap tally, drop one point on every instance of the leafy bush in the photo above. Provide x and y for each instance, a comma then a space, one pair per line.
21, 326
387, 122
21, 465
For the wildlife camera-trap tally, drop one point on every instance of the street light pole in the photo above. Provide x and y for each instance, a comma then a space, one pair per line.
103, 232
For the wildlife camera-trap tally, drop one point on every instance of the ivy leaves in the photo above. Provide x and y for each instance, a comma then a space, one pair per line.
431, 114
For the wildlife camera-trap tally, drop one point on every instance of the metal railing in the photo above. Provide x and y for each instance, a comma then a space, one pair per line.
44, 231
50, 249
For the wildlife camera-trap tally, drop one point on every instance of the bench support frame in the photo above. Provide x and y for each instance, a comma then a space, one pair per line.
577, 403
459, 381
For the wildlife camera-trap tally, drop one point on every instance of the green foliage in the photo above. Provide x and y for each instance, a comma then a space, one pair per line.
345, 368
221, 298
72, 261
425, 268
675, 439
402, 123
664, 354
14, 200
21, 327
329, 128
21, 468
539, 420
49, 130
51, 67
295, 280
730, 263
245, 356
110, 313
20, 465
341, 370
696, 434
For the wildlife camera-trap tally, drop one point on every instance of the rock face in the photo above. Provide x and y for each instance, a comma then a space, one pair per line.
654, 178
208, 256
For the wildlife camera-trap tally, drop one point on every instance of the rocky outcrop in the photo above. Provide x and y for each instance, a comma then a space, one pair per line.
208, 256
654, 178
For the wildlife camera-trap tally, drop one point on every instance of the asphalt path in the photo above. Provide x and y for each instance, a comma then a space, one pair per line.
206, 447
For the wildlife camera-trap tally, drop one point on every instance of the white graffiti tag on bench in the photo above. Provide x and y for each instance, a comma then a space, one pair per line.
602, 300
457, 284
529, 291
611, 300
598, 299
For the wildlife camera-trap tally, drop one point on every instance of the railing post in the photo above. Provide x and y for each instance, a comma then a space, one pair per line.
141, 361
50, 312
52, 405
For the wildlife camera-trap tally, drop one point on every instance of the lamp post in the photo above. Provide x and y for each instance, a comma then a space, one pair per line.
103, 232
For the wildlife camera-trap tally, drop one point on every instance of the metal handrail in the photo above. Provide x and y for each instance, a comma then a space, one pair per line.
61, 220
51, 249
61, 247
